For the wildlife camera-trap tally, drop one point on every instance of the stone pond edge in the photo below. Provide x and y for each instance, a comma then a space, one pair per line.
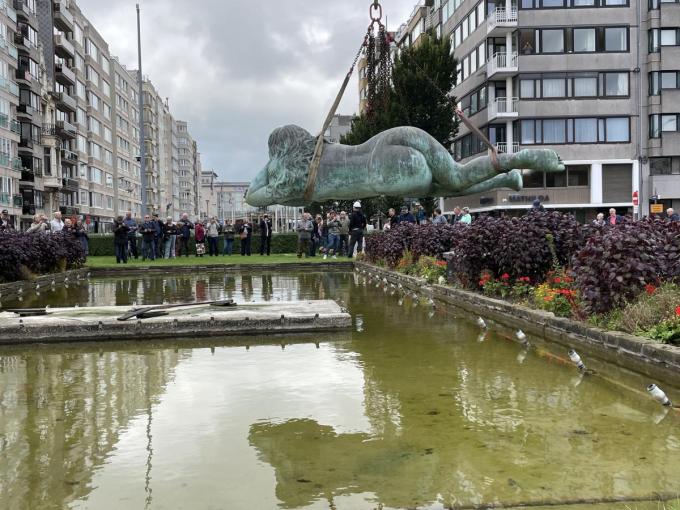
632, 351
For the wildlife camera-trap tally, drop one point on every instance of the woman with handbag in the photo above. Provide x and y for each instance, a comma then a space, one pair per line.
245, 233
200, 239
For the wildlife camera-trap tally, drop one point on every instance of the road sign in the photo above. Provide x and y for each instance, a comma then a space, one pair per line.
635, 198
656, 208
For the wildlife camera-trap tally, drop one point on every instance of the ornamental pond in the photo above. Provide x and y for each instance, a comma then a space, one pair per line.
412, 408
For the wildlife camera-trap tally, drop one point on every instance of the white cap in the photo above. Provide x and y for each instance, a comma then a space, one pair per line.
357, 204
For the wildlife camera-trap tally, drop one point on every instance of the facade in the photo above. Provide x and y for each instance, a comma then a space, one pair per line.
189, 170
595, 80
340, 126
69, 123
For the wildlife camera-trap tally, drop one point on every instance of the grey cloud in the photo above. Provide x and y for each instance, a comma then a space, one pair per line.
236, 69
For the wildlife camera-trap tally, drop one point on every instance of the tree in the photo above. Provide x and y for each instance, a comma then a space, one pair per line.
419, 75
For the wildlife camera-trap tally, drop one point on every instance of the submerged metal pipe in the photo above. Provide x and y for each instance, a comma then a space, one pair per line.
659, 395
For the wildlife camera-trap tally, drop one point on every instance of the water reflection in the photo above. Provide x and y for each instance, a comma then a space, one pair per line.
406, 409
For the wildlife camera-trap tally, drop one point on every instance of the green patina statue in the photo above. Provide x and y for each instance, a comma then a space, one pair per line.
402, 161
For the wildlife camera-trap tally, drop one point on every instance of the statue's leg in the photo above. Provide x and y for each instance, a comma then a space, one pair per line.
399, 171
512, 180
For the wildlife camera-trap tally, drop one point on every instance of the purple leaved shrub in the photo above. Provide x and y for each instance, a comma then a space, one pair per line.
23, 254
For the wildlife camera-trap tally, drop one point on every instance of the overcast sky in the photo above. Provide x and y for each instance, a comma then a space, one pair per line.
236, 69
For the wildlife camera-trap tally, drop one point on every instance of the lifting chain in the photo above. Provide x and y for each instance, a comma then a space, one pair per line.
378, 62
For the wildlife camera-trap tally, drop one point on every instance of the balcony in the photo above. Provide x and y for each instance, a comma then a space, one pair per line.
52, 182
21, 41
11, 124
17, 164
26, 109
65, 102
70, 184
69, 157
5, 159
504, 108
9, 11
507, 148
63, 19
5, 198
23, 10
23, 76
9, 86
63, 47
66, 130
501, 21
64, 75
502, 65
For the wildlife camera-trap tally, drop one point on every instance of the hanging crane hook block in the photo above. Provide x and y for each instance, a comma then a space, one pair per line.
375, 7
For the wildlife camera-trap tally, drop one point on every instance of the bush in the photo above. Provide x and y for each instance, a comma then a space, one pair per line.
558, 295
651, 308
23, 255
616, 263
102, 244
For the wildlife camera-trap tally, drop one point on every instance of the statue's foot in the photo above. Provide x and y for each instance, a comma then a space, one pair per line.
546, 160
514, 180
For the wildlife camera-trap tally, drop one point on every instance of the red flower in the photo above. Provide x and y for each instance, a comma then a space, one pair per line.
677, 310
557, 280
505, 276
649, 289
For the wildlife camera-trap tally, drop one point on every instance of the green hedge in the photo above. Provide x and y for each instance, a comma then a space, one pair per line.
102, 244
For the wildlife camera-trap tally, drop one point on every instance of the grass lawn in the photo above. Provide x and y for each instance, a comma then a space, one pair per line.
206, 260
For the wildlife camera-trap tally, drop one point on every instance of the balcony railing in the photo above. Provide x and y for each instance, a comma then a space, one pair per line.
71, 184
9, 86
17, 164
5, 159
501, 18
22, 8
68, 156
502, 62
504, 107
63, 19
64, 73
507, 148
8, 10
63, 100
5, 198
63, 47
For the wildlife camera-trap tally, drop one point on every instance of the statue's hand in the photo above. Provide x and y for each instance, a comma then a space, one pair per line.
546, 160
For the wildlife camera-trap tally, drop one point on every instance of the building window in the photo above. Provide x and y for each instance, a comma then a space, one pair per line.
552, 41
576, 85
616, 39
660, 80
615, 84
557, 4
584, 40
654, 4
658, 37
576, 130
578, 40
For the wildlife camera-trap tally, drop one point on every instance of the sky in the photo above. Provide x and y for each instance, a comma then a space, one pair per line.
237, 69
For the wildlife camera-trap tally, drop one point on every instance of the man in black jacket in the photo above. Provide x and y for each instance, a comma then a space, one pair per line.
357, 224
265, 235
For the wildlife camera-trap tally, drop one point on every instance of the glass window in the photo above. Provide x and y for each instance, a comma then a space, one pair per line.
480, 12
526, 89
527, 132
532, 179
669, 123
615, 39
669, 80
583, 3
584, 39
654, 86
552, 41
653, 40
654, 126
609, 3
668, 37
554, 131
554, 87
526, 41
556, 180
473, 20
585, 87
577, 175
616, 84
552, 3
617, 129
585, 130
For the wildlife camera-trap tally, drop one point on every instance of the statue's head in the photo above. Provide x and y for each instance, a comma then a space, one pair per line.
283, 179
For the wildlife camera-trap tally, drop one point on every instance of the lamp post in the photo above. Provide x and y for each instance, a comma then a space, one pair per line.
142, 148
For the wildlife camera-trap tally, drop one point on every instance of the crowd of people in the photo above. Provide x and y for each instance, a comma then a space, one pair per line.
337, 234
168, 239
41, 225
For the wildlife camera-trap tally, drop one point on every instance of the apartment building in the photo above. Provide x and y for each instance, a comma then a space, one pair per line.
69, 123
595, 80
189, 170
10, 163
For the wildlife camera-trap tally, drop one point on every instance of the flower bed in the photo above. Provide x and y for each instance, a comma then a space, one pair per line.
548, 261
24, 256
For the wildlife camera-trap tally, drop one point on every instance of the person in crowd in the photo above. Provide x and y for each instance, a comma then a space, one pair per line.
245, 233
228, 232
614, 219
133, 227
5, 221
304, 228
439, 218
82, 236
120, 239
322, 232
333, 243
599, 220
316, 235
213, 234
671, 215
537, 206
420, 214
266, 232
169, 238
405, 216
466, 218
148, 231
199, 232
184, 228
392, 217
344, 233
56, 225
39, 225
357, 224
69, 229
457, 215
157, 236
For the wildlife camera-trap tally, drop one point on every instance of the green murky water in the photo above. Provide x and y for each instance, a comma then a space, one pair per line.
411, 409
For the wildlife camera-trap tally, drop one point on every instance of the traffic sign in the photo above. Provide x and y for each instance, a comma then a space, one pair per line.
656, 208
635, 198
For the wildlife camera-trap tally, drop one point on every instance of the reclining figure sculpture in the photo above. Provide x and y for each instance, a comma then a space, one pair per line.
402, 161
